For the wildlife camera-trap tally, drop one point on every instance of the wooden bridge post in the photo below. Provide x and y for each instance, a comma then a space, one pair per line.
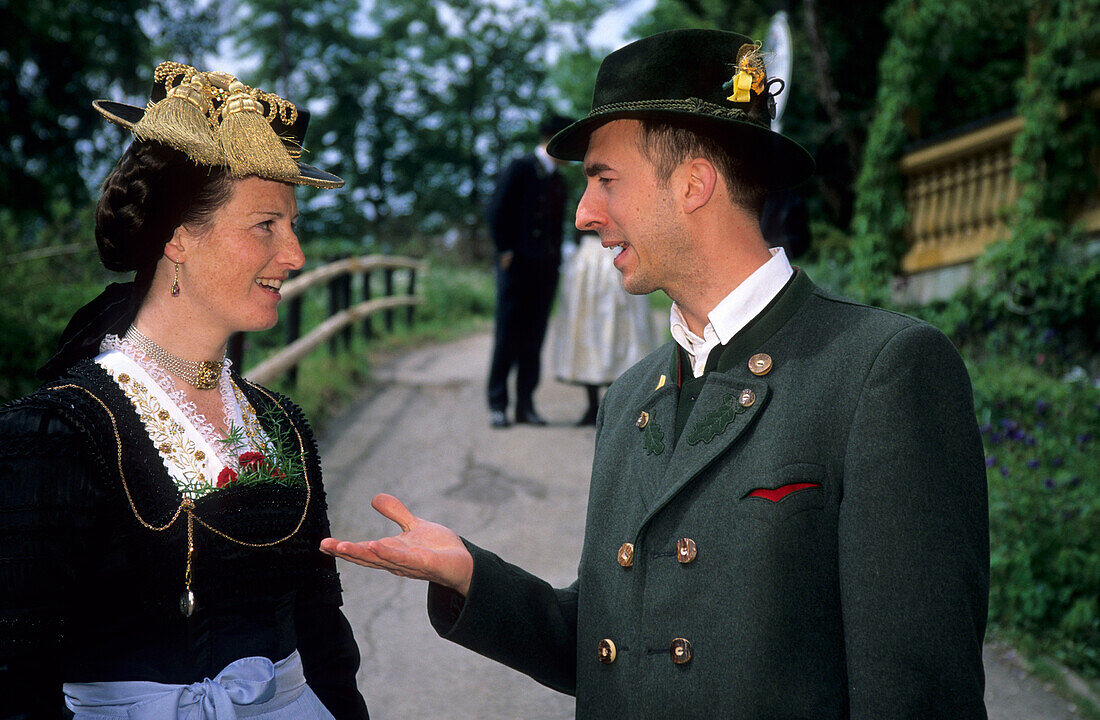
293, 332
388, 275
368, 326
412, 291
334, 306
345, 303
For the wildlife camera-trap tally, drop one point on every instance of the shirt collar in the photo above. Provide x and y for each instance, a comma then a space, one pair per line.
734, 312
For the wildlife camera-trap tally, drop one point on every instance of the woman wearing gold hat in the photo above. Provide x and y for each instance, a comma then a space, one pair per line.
160, 515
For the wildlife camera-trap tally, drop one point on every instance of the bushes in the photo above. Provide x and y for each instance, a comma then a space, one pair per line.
41, 292
1042, 453
456, 294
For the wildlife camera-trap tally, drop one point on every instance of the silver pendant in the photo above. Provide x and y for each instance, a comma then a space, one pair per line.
187, 603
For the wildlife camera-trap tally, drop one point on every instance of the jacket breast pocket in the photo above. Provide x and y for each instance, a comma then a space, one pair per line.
787, 491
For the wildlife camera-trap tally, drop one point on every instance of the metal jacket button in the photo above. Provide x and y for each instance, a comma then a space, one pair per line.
680, 651
642, 420
626, 555
685, 550
605, 651
760, 364
747, 398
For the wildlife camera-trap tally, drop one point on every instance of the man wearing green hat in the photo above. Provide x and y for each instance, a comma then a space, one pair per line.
787, 514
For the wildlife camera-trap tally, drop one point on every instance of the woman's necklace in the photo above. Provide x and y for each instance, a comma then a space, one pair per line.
203, 374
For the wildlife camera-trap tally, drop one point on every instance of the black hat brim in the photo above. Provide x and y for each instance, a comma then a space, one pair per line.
780, 161
128, 115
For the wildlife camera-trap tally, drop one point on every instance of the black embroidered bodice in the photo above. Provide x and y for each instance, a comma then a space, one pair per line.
90, 592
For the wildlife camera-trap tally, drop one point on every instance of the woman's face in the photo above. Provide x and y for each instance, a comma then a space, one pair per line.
232, 267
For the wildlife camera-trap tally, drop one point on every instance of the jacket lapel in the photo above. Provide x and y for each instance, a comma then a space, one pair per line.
655, 418
726, 408
729, 403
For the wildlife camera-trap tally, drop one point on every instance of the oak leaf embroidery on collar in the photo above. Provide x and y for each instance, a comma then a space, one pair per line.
715, 422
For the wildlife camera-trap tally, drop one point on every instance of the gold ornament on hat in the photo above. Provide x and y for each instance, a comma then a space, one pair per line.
181, 119
750, 76
247, 140
215, 119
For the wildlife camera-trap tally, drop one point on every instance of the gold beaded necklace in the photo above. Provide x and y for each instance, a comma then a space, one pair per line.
202, 374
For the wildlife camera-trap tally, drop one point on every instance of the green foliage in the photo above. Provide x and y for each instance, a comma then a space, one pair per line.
58, 56
1042, 451
41, 292
454, 295
948, 61
1043, 271
417, 105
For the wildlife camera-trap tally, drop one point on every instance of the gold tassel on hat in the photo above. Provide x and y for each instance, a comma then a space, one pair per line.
181, 119
247, 140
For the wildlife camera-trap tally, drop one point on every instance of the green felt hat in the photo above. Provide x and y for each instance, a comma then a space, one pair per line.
714, 79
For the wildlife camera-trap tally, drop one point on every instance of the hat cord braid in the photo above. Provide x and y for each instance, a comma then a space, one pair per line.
696, 105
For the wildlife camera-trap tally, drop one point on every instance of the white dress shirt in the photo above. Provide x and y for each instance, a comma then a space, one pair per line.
734, 312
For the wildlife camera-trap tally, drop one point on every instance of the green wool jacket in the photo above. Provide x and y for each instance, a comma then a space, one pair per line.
810, 540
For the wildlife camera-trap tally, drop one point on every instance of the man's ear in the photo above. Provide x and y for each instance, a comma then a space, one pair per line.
699, 187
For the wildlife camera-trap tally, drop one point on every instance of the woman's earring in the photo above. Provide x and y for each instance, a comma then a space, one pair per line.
176, 281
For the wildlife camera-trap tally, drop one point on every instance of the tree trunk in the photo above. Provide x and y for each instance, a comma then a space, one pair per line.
827, 93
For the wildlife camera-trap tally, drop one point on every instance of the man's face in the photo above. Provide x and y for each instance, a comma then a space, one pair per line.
634, 213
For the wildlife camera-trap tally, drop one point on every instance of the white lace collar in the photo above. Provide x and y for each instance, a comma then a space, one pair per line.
168, 429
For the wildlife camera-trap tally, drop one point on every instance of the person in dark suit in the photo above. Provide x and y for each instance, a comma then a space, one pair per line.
787, 515
526, 216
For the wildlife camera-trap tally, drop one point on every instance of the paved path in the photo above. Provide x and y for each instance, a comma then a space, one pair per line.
520, 492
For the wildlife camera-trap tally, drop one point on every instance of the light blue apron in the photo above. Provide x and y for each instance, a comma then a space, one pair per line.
252, 687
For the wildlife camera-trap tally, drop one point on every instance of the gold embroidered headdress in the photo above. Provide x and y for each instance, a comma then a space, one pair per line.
215, 119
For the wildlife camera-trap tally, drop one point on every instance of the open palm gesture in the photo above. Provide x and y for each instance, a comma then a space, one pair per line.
423, 550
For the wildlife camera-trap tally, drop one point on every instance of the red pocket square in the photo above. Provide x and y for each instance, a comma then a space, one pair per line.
781, 492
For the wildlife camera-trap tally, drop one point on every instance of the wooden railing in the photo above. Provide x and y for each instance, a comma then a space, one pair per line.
959, 193
342, 315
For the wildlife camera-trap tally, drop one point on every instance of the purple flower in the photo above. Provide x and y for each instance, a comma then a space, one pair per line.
1084, 438
995, 438
1009, 424
1029, 440
1004, 471
1041, 406
1048, 335
1048, 484
986, 428
990, 461
1033, 463
1017, 434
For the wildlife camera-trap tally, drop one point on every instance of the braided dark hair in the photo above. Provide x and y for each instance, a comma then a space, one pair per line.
151, 191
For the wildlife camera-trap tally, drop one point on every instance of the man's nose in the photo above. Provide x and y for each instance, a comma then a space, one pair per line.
589, 215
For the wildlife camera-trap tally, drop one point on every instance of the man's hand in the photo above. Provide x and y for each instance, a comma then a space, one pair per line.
505, 259
424, 550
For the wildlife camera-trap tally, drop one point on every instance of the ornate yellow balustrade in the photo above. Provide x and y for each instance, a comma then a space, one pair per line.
959, 193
